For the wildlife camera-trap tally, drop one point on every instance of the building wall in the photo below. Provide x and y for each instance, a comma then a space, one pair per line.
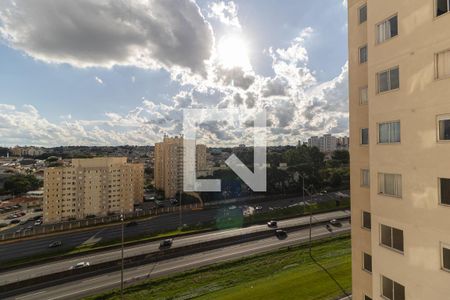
96, 186
169, 164
419, 158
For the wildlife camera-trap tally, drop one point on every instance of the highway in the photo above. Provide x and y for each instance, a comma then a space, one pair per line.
100, 283
71, 239
95, 258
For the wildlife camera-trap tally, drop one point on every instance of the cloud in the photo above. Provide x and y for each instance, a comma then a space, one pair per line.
225, 12
91, 33
99, 80
297, 105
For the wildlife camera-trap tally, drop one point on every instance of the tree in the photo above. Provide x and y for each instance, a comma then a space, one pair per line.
341, 155
20, 184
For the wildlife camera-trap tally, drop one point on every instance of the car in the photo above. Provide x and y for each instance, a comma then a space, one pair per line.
80, 265
336, 223
56, 244
15, 221
159, 203
272, 223
37, 223
30, 227
19, 230
259, 207
167, 243
22, 213
137, 209
23, 222
37, 217
281, 234
173, 201
232, 207
132, 223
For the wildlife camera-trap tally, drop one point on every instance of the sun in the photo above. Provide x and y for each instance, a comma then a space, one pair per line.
232, 52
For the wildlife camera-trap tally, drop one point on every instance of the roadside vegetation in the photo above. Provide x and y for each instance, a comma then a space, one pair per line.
289, 273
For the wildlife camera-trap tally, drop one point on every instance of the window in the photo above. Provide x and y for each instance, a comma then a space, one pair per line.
444, 191
391, 237
388, 80
446, 258
442, 64
363, 96
444, 128
365, 178
364, 136
392, 290
387, 29
367, 297
389, 132
390, 184
367, 262
366, 220
442, 7
363, 14
363, 54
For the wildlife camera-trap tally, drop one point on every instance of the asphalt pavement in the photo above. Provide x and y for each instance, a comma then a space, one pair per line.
19, 249
100, 257
100, 283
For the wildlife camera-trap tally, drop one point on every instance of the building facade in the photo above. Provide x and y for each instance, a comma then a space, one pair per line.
169, 164
399, 82
329, 143
92, 187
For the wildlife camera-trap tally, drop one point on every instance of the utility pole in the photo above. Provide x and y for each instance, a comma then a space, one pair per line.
181, 212
121, 269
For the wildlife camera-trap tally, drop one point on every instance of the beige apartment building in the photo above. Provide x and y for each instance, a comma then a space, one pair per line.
399, 84
169, 164
92, 187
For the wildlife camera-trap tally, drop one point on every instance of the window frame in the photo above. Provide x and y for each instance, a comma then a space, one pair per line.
446, 246
436, 63
435, 9
362, 220
390, 89
438, 132
361, 136
361, 89
359, 14
391, 247
393, 287
440, 192
362, 178
364, 254
390, 142
377, 41
389, 195
367, 297
360, 56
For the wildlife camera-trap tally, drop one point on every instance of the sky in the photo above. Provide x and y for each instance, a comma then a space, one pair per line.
116, 72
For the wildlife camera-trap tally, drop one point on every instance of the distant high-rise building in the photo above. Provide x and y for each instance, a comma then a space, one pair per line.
169, 164
328, 143
399, 86
94, 186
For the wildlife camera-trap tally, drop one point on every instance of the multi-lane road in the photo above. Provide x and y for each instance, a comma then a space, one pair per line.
30, 247
96, 258
99, 283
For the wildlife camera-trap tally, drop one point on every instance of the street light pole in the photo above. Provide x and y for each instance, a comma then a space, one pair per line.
121, 269
181, 216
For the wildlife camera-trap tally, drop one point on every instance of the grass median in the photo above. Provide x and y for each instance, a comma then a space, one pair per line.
285, 274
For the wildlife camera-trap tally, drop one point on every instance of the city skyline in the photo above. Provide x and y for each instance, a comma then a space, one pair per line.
103, 94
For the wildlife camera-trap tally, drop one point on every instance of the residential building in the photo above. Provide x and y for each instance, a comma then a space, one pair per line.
400, 144
328, 143
92, 187
169, 164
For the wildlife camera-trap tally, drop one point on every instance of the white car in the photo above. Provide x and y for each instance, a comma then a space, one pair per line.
80, 265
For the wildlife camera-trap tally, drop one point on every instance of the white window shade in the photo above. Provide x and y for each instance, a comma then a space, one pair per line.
443, 64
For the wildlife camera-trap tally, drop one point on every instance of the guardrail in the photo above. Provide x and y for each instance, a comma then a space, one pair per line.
27, 285
70, 225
